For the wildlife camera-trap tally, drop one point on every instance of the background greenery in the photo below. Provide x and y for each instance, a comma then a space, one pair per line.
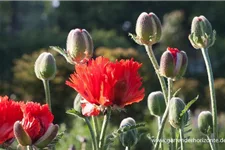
28, 28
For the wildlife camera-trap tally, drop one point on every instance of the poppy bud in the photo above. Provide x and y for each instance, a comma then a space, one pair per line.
148, 29
45, 66
205, 123
176, 105
202, 35
21, 135
49, 135
173, 63
79, 46
156, 103
128, 138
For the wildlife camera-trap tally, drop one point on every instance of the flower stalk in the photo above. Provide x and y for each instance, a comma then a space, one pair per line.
181, 132
92, 133
210, 143
156, 67
104, 127
212, 92
47, 93
96, 129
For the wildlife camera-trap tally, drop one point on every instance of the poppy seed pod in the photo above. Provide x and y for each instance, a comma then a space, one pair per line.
156, 103
176, 105
205, 123
202, 35
173, 63
79, 46
45, 66
148, 29
128, 138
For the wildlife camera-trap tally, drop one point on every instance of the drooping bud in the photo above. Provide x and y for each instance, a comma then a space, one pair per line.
205, 123
148, 29
79, 46
45, 66
173, 63
49, 135
202, 35
176, 105
156, 103
128, 138
21, 135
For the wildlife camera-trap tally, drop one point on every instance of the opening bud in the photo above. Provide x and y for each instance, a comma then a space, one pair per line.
45, 66
79, 46
176, 105
21, 135
173, 63
156, 103
128, 138
202, 35
49, 135
205, 123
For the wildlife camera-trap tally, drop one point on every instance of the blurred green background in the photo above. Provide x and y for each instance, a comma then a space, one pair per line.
28, 28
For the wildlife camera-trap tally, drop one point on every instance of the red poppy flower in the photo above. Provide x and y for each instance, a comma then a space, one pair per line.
36, 119
103, 83
10, 112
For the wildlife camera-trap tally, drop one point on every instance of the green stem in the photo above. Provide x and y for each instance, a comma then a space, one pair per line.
172, 130
96, 129
163, 122
104, 127
29, 147
159, 124
47, 93
212, 93
92, 133
181, 131
156, 67
127, 148
210, 143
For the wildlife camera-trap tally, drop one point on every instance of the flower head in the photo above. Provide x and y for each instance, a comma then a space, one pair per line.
10, 112
103, 83
36, 119
36, 128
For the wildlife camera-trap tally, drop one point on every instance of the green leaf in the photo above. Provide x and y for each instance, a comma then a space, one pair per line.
186, 108
58, 49
75, 113
176, 92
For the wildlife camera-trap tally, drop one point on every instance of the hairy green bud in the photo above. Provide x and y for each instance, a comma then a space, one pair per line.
205, 123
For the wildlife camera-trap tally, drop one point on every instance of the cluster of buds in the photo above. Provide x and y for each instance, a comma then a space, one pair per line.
202, 35
79, 47
148, 29
156, 103
173, 63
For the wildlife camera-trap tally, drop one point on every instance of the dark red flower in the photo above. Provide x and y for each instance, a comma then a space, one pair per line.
103, 83
36, 119
10, 112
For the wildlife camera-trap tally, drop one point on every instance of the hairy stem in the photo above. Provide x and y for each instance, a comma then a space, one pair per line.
92, 133
96, 129
159, 124
172, 130
181, 131
156, 67
210, 143
29, 147
127, 148
212, 93
47, 93
104, 127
